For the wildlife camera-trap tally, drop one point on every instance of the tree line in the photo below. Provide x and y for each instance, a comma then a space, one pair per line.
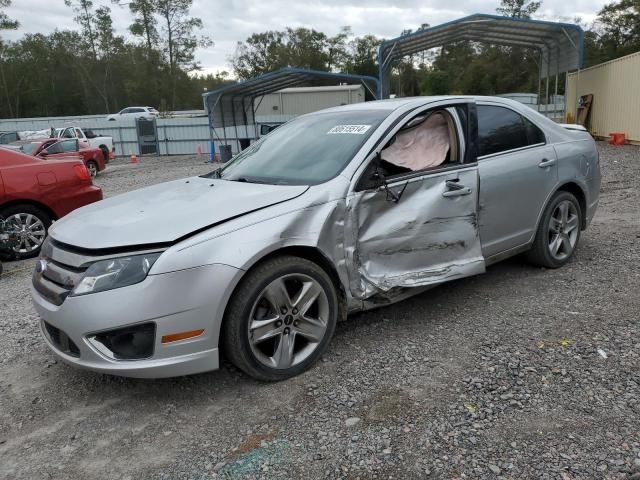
463, 67
92, 69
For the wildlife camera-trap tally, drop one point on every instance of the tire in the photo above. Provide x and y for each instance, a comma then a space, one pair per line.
306, 330
105, 153
92, 166
558, 233
32, 218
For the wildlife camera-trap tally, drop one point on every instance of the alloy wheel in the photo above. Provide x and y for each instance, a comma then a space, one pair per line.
288, 321
563, 230
30, 230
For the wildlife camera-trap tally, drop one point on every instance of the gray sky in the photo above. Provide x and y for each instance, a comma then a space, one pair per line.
228, 22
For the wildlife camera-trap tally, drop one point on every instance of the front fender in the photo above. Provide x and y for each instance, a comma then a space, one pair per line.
320, 226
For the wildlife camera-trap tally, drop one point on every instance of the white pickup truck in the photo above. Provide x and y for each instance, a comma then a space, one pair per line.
103, 143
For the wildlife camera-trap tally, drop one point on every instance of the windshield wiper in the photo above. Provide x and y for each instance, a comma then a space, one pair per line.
246, 180
214, 174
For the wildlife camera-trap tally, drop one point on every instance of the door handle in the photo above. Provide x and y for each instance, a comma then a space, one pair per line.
546, 162
454, 189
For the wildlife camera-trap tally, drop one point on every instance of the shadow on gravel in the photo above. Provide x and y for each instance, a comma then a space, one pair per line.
424, 310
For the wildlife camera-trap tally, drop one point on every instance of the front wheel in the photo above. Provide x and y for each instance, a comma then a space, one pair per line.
280, 319
558, 233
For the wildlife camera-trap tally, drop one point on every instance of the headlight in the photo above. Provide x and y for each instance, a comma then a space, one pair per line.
115, 273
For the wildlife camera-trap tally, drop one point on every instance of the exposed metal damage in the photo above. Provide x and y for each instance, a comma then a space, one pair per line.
423, 240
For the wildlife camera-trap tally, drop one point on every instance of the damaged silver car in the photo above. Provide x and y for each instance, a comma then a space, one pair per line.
337, 211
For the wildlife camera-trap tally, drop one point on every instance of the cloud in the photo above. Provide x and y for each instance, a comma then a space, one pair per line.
234, 20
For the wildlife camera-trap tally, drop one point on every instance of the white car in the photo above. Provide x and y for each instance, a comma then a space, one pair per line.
134, 112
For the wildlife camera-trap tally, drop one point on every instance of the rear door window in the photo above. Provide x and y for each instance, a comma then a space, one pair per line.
55, 148
500, 129
69, 145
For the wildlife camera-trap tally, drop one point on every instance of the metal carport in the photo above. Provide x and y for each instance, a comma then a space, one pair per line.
561, 45
234, 105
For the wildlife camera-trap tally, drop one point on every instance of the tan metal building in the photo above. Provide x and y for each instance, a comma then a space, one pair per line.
297, 101
615, 86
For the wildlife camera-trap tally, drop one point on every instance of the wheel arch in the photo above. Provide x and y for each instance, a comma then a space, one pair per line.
33, 203
310, 253
578, 192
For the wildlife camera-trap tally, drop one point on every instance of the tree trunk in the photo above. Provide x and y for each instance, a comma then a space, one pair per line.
6, 88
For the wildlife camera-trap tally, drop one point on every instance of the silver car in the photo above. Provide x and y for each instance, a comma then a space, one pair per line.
338, 211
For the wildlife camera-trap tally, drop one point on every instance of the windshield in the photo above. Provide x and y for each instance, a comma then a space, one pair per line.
306, 151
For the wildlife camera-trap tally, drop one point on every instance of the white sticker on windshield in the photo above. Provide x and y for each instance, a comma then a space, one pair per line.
352, 129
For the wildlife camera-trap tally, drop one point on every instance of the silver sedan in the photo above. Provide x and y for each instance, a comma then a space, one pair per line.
338, 211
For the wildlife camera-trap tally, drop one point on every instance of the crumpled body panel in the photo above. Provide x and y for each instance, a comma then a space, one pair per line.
422, 240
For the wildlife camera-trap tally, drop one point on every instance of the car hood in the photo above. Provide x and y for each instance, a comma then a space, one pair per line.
166, 212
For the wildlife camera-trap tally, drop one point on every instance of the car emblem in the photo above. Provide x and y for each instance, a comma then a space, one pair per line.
41, 266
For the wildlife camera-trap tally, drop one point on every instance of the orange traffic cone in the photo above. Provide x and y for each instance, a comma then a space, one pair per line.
198, 152
134, 158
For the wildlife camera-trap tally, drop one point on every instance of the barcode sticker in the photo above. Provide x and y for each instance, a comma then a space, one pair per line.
349, 129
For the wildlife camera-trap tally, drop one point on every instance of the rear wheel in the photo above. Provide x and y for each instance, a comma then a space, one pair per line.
280, 319
31, 224
558, 233
92, 166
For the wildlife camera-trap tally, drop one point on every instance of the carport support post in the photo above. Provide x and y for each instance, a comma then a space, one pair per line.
212, 151
235, 122
546, 108
540, 81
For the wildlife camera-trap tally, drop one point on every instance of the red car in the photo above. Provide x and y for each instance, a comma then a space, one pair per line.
92, 157
34, 192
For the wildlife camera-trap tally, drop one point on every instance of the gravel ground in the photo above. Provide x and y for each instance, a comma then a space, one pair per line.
518, 373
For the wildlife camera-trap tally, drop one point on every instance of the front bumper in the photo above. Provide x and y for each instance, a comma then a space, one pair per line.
176, 302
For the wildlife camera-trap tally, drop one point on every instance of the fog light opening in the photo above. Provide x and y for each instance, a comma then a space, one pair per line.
130, 343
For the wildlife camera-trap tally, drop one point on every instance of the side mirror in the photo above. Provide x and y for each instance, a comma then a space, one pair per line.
375, 178
43, 153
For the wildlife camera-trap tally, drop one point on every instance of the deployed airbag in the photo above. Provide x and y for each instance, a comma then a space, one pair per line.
423, 146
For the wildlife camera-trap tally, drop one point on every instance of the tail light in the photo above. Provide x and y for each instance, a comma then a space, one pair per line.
81, 172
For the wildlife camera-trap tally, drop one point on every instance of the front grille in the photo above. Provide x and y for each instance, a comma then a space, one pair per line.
61, 340
57, 272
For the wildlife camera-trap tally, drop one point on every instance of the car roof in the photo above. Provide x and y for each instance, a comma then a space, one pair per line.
33, 140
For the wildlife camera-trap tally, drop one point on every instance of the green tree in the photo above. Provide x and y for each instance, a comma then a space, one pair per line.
180, 39
362, 56
144, 23
5, 24
338, 49
260, 53
618, 26
436, 83
84, 17
518, 8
